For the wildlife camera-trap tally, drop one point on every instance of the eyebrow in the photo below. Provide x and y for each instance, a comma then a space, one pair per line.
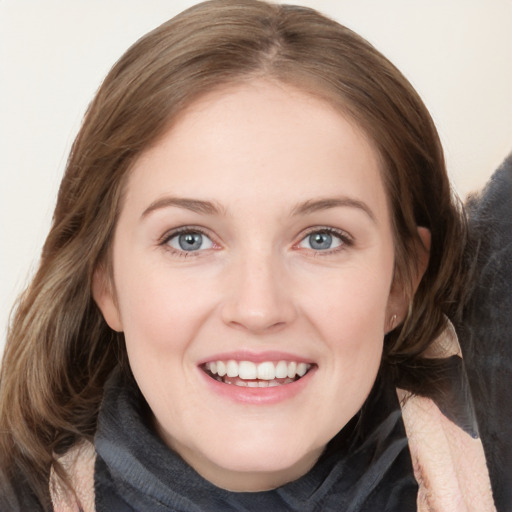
194, 205
305, 208
315, 205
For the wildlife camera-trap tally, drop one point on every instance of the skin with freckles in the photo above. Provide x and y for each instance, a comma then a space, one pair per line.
257, 224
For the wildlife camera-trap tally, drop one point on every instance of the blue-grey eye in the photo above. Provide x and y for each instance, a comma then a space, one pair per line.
321, 241
190, 241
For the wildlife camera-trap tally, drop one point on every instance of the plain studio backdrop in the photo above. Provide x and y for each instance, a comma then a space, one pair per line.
55, 53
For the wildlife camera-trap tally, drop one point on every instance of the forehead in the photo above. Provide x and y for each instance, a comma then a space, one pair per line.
259, 138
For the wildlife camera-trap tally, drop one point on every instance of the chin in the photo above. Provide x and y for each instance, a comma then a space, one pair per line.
260, 455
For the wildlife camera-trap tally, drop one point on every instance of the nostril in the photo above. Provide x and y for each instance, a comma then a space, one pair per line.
257, 324
258, 302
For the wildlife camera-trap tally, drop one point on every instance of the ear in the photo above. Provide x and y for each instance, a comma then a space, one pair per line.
104, 296
399, 299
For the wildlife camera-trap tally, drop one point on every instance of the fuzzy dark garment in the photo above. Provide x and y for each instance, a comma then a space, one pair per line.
485, 332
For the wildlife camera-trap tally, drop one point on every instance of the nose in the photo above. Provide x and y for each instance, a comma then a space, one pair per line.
258, 298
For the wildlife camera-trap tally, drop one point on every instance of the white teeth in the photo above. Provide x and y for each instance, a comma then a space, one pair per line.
302, 368
247, 370
292, 369
281, 370
221, 369
267, 371
232, 369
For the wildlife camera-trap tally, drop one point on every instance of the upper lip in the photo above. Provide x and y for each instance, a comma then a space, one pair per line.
256, 357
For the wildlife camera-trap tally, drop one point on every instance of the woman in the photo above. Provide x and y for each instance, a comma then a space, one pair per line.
254, 245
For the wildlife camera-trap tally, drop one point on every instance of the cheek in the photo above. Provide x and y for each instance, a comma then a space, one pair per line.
159, 310
352, 323
355, 334
351, 317
351, 305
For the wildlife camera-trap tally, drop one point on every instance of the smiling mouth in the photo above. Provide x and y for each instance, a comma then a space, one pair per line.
256, 375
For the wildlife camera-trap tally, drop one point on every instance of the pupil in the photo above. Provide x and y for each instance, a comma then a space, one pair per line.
190, 241
320, 241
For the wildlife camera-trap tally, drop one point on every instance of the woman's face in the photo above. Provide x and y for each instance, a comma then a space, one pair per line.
252, 270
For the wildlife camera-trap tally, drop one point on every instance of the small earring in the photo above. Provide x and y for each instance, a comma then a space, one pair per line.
392, 322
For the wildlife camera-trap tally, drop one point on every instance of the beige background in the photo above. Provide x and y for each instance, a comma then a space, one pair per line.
54, 54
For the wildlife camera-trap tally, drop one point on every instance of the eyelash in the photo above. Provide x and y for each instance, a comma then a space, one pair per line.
346, 240
164, 241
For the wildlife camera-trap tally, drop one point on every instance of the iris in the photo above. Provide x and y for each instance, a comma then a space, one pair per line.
320, 241
190, 241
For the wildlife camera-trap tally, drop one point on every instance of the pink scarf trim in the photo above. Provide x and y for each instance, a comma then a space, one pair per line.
449, 465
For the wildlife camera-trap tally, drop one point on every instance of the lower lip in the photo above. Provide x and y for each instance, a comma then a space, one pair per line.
258, 396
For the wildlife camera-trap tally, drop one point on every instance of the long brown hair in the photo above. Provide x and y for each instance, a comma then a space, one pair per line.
59, 350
